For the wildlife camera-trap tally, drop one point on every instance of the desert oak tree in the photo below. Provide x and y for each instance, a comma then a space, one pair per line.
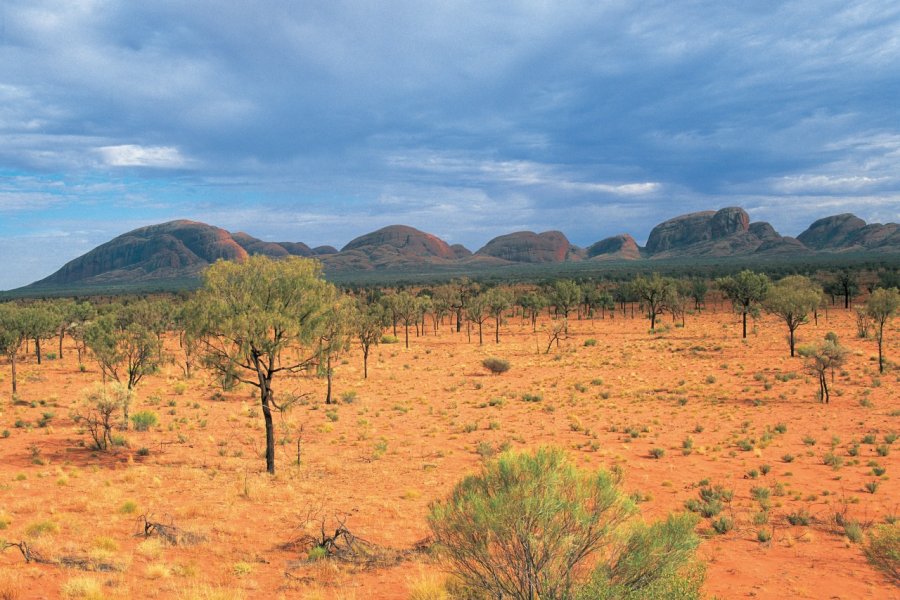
250, 313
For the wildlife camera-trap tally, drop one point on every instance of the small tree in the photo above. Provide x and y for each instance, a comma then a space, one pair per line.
822, 358
655, 294
497, 300
477, 311
533, 302
334, 338
746, 290
406, 308
251, 312
126, 353
792, 299
40, 322
848, 286
531, 526
881, 307
698, 290
369, 326
565, 294
97, 409
12, 334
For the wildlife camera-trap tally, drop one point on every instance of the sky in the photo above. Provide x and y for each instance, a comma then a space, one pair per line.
319, 121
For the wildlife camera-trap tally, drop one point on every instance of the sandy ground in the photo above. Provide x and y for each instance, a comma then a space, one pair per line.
416, 426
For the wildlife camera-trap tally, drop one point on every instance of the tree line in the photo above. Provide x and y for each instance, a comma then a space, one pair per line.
252, 321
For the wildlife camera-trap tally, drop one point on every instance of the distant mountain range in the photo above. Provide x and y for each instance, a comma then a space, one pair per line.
182, 249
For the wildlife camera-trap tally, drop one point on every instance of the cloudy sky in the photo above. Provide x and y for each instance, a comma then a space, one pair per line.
318, 121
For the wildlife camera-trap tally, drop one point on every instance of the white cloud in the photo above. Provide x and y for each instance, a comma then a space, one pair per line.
809, 184
131, 155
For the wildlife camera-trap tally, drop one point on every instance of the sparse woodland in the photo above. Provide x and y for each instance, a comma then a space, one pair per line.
272, 435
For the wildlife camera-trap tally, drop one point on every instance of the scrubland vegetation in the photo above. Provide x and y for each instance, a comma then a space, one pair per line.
274, 436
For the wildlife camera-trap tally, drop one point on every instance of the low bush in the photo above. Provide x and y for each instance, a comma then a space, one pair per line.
144, 420
495, 365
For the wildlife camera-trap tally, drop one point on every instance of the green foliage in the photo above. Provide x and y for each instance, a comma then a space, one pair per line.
144, 420
125, 349
655, 562
821, 359
495, 365
528, 526
249, 313
745, 290
96, 412
881, 307
792, 299
882, 550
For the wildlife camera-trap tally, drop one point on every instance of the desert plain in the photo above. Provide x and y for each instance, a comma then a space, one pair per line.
669, 410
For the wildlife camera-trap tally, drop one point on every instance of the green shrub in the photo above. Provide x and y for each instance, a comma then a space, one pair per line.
799, 517
723, 525
389, 339
882, 549
144, 420
536, 518
590, 342
495, 365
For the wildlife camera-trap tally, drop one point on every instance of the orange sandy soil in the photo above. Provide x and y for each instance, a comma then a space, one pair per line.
412, 431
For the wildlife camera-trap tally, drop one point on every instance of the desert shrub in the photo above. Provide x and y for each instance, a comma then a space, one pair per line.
723, 525
529, 525
144, 420
799, 517
655, 562
82, 588
532, 397
590, 342
96, 412
389, 339
882, 549
495, 365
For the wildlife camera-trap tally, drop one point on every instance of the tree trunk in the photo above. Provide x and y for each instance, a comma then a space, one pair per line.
62, 334
480, 340
407, 334
458, 320
745, 324
12, 360
37, 348
497, 330
365, 362
792, 342
328, 377
265, 393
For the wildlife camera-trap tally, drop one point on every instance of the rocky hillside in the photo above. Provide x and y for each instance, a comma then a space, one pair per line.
182, 249
723, 233
395, 246
171, 250
530, 247
847, 233
618, 247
